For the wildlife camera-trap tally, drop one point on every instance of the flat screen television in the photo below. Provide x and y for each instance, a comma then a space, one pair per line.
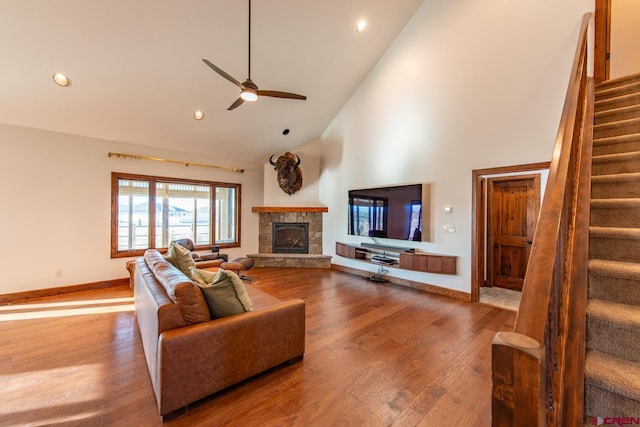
387, 212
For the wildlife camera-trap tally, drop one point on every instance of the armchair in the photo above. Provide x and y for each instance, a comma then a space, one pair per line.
214, 255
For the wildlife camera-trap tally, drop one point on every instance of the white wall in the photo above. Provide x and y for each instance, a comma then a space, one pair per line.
56, 204
466, 85
625, 38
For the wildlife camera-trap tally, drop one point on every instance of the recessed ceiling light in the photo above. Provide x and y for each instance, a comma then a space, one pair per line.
285, 132
198, 115
361, 26
61, 79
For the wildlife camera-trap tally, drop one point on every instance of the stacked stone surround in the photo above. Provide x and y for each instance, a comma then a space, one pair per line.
266, 258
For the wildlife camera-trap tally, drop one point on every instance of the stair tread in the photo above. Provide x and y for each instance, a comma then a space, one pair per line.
617, 232
617, 124
611, 373
618, 81
618, 110
615, 178
630, 155
612, 91
626, 83
624, 202
630, 137
622, 316
619, 269
604, 104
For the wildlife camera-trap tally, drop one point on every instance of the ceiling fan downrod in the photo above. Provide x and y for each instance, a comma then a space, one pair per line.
248, 89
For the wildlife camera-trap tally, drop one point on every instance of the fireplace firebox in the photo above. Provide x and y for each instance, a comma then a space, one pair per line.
290, 238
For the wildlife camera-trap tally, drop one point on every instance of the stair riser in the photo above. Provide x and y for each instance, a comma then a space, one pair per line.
613, 167
624, 217
603, 403
614, 289
628, 88
612, 340
616, 129
614, 249
624, 146
614, 116
614, 189
622, 101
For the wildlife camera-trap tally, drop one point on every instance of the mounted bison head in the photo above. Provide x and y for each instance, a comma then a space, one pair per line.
289, 172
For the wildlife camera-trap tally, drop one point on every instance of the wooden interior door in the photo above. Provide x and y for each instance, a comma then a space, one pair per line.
513, 203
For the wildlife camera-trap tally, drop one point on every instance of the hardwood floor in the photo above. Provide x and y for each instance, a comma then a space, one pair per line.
376, 354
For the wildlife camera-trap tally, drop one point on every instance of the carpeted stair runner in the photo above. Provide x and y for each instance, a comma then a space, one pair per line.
612, 381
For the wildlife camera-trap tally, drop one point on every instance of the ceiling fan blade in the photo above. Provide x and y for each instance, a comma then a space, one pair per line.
278, 94
236, 104
222, 73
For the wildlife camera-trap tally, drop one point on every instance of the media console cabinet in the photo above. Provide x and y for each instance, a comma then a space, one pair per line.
408, 260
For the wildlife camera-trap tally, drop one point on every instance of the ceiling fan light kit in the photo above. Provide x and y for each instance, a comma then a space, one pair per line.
249, 90
249, 95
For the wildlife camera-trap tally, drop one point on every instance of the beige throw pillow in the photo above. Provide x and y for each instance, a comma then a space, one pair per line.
223, 291
180, 257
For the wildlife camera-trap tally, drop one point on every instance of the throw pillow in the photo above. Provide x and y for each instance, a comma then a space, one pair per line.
180, 257
223, 291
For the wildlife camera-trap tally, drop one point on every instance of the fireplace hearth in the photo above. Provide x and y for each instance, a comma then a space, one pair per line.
290, 238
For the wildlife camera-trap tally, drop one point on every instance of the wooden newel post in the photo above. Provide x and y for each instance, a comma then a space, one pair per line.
518, 381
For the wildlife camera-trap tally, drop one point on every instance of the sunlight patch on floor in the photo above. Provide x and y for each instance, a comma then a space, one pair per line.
42, 310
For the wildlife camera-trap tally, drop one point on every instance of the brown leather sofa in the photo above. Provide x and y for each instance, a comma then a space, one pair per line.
190, 356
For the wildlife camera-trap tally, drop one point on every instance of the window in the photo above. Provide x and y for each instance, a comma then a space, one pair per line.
151, 212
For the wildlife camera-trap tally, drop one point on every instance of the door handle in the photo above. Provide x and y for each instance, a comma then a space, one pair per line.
529, 242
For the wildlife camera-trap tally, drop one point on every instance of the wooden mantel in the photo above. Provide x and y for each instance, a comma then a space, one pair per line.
276, 209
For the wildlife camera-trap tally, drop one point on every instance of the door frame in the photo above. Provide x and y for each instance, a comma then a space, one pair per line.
478, 218
602, 41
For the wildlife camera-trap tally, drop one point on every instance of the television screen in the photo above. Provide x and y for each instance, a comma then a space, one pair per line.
389, 212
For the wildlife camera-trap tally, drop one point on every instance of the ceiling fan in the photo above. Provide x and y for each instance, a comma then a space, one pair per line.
249, 90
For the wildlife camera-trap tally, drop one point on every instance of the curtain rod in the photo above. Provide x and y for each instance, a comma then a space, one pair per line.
157, 159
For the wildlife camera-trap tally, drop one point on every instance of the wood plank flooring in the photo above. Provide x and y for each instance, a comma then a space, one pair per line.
376, 355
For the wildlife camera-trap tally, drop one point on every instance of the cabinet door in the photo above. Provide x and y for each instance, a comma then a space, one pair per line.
416, 262
345, 250
434, 264
405, 260
449, 265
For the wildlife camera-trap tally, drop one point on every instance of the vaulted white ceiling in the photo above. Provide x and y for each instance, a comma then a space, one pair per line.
137, 74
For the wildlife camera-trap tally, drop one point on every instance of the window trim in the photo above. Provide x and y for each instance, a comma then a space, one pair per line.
153, 180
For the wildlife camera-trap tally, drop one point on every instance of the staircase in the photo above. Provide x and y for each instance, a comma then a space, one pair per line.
612, 377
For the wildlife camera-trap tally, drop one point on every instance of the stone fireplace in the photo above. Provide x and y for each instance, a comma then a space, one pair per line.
290, 237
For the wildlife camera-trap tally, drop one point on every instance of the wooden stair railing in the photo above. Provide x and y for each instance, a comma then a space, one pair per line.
538, 369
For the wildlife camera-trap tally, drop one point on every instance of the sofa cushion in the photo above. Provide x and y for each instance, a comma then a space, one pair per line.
223, 291
179, 288
180, 257
192, 304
